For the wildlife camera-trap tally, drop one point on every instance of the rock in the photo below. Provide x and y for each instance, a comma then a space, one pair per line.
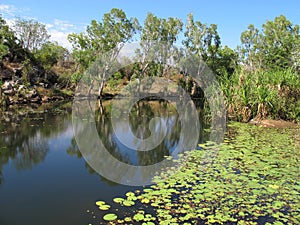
37, 99
9, 92
8, 85
21, 87
45, 99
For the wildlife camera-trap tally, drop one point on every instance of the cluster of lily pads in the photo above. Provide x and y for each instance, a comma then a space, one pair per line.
254, 179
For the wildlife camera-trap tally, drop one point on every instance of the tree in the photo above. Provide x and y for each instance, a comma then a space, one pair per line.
157, 43
248, 51
106, 36
202, 40
9, 45
226, 61
31, 34
275, 46
280, 39
4, 31
50, 53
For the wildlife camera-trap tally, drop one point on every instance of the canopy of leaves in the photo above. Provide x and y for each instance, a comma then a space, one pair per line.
32, 34
275, 46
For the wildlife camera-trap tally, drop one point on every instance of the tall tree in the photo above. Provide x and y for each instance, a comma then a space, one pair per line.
103, 37
31, 33
202, 40
280, 39
8, 41
157, 43
249, 48
275, 46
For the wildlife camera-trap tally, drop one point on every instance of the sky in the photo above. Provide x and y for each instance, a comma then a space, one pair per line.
232, 16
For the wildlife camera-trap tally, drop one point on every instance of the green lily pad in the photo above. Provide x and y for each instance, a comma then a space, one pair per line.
110, 217
138, 217
99, 203
104, 207
128, 203
118, 200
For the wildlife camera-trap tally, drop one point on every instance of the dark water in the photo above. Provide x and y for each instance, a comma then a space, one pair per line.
43, 177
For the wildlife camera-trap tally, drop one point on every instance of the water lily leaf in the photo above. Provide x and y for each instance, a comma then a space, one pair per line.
118, 200
104, 207
130, 194
138, 217
110, 217
128, 203
145, 200
99, 203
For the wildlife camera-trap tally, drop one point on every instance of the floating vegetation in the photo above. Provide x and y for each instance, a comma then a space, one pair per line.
110, 217
255, 179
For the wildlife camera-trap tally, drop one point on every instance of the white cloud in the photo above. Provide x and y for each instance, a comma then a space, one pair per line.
11, 10
59, 31
63, 25
7, 9
61, 38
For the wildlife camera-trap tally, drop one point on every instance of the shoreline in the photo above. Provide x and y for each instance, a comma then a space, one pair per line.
35, 107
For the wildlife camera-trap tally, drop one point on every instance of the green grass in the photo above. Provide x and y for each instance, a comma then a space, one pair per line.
273, 94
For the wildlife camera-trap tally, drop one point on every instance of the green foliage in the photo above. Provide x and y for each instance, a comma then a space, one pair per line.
276, 46
226, 62
272, 94
254, 175
201, 39
8, 41
102, 37
75, 78
32, 34
3, 34
51, 53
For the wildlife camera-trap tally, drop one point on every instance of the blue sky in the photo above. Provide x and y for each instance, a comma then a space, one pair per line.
232, 16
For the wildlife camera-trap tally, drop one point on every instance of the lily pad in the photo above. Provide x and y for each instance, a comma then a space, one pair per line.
104, 207
118, 200
99, 203
110, 217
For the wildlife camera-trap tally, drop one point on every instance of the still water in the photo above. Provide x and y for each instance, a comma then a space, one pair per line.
43, 177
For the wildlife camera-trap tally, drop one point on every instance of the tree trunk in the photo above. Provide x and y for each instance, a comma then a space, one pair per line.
90, 89
101, 88
100, 106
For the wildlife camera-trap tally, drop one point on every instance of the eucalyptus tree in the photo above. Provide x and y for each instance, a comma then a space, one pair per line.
8, 41
106, 37
32, 34
281, 40
275, 46
202, 40
158, 36
250, 47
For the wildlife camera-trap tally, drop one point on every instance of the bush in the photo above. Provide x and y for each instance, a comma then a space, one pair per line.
260, 95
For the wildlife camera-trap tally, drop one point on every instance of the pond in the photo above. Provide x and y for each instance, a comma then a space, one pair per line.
43, 177
253, 177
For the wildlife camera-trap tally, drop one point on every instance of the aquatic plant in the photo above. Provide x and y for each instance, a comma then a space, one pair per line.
254, 179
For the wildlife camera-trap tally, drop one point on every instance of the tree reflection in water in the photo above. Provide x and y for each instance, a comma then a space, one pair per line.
140, 116
24, 139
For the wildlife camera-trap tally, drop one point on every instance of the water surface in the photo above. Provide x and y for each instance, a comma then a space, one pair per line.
43, 177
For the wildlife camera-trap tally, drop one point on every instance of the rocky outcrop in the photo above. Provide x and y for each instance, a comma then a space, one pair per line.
17, 93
